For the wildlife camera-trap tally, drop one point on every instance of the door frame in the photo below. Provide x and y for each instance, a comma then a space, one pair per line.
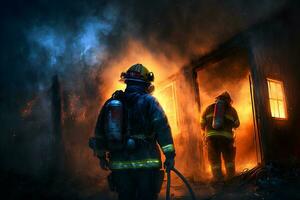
217, 56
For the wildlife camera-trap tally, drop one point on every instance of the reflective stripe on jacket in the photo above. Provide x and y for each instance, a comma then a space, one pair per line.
219, 133
168, 148
231, 121
135, 164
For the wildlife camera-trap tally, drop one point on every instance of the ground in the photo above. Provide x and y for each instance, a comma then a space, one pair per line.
261, 183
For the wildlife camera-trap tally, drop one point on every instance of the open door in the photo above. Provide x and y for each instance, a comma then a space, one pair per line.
231, 74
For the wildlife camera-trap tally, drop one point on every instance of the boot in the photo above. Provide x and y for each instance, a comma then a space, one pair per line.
217, 173
230, 170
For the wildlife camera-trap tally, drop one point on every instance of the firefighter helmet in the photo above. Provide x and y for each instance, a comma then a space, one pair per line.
138, 73
225, 96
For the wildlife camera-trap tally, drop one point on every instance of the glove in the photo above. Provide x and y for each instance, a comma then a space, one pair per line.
169, 162
103, 161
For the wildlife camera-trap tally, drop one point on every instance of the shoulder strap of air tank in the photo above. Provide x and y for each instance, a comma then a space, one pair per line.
118, 94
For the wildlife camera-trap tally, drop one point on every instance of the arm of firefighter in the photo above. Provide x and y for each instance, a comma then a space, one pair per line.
236, 122
162, 128
100, 147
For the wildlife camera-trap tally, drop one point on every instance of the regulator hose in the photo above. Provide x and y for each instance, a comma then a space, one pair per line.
183, 179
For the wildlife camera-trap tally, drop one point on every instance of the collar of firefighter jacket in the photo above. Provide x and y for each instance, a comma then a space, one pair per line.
135, 88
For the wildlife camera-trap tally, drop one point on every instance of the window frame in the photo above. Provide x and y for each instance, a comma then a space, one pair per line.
283, 100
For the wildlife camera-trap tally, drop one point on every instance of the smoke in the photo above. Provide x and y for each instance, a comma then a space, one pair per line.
88, 44
63, 37
64, 48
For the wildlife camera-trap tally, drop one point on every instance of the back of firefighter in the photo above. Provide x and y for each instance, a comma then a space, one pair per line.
136, 168
220, 140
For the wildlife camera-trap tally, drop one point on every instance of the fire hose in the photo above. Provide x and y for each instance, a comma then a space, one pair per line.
168, 197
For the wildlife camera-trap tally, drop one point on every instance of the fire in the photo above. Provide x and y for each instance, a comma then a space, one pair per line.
169, 98
135, 52
246, 155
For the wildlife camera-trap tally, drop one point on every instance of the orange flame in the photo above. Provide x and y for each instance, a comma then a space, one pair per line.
169, 97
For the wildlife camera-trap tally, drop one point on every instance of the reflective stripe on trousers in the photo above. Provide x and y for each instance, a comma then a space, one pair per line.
135, 164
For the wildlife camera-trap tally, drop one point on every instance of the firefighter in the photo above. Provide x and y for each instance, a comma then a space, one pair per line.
218, 121
135, 161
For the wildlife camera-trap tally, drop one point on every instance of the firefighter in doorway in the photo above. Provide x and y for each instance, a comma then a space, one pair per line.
130, 129
218, 120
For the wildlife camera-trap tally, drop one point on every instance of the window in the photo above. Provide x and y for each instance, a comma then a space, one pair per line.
167, 99
277, 99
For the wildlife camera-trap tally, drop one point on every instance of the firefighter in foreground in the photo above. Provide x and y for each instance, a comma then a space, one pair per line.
218, 120
130, 129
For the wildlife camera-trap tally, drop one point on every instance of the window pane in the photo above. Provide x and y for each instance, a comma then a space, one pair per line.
273, 93
281, 109
280, 92
274, 108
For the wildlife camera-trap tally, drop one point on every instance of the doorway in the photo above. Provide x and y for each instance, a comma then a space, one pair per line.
231, 73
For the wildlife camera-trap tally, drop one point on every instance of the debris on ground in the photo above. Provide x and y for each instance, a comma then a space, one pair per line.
269, 182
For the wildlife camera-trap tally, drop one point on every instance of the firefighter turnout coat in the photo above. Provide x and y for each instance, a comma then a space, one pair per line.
146, 124
231, 121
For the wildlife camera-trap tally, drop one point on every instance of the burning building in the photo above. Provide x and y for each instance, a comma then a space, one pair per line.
256, 70
249, 49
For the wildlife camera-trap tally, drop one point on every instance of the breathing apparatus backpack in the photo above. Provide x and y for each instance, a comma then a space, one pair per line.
114, 121
219, 114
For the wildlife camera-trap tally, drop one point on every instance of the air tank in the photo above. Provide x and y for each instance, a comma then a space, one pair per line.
114, 123
219, 114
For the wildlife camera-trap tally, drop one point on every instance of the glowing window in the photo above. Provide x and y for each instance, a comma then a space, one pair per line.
277, 99
167, 99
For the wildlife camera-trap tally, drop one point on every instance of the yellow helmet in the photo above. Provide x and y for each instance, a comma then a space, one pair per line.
138, 73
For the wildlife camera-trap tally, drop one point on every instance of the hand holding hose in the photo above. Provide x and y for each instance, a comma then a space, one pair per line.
169, 166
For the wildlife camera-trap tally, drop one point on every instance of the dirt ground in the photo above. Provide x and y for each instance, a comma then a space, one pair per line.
261, 183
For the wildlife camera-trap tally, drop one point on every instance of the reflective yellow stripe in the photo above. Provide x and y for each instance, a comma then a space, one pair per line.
209, 115
147, 163
168, 148
221, 133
